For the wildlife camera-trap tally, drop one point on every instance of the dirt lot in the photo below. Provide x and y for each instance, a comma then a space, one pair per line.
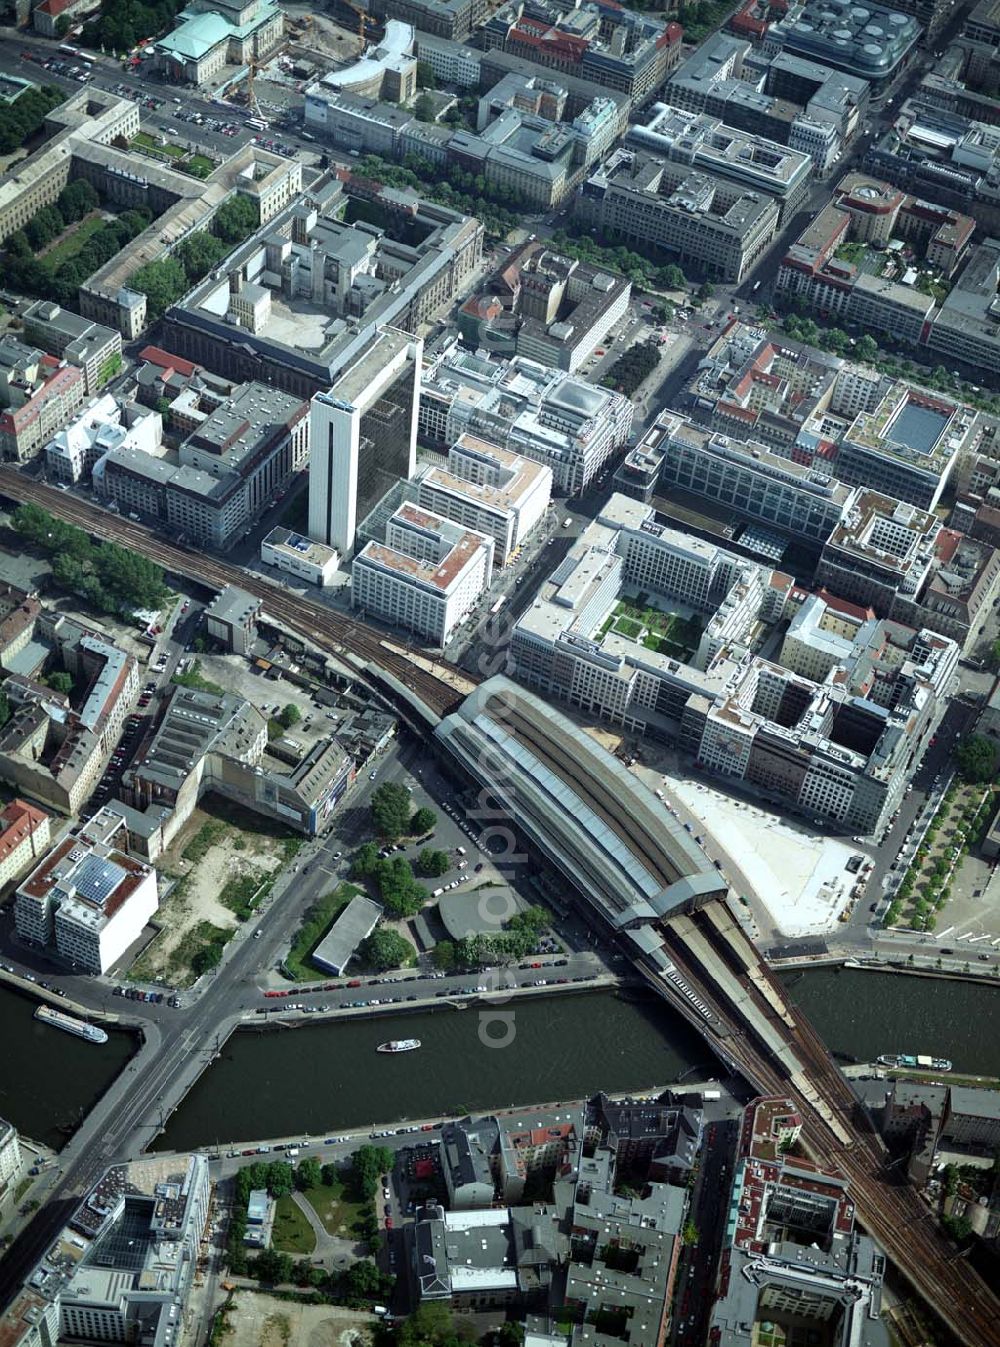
233, 853
256, 1320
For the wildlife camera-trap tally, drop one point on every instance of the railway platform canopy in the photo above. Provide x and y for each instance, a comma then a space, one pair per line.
578, 805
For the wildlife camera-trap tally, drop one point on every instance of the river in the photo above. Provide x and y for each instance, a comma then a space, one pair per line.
862, 1014
49, 1080
325, 1077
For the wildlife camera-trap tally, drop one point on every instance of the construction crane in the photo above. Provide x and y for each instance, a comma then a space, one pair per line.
365, 21
252, 102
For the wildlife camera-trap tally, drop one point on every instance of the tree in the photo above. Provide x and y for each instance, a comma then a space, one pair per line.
433, 863
423, 108
61, 681
422, 822
690, 1234
273, 1267
369, 1163
199, 253
426, 79
329, 1175
236, 219
363, 1279
280, 1178
309, 1173
391, 810
290, 715
975, 758
386, 948
444, 956
162, 283
365, 860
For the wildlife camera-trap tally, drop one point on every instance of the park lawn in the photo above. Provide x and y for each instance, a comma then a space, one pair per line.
335, 1208
292, 1233
71, 245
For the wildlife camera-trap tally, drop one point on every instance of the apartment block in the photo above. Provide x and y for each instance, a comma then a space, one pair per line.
89, 899
427, 576
56, 750
24, 839
105, 424
488, 490
702, 220
91, 347
782, 1203
541, 413
242, 454
38, 393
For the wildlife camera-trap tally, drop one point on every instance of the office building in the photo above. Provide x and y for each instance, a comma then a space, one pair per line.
748, 480
54, 750
126, 1261
333, 286
966, 327
211, 34
206, 742
752, 162
241, 454
298, 556
363, 436
871, 43
91, 347
827, 269
619, 49
700, 220
549, 417
103, 425
792, 1255
231, 618
488, 490
427, 576
24, 839
844, 747
545, 306
88, 900
452, 19
38, 394
899, 561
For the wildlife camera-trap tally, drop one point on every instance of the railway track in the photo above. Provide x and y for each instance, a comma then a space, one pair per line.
441, 686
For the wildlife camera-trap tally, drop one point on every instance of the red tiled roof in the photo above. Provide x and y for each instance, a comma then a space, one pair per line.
155, 355
19, 820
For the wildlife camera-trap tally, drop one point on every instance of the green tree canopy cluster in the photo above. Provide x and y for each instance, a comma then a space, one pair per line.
976, 758
639, 269
451, 185
391, 810
122, 23
21, 119
517, 940
432, 863
165, 281
632, 367
385, 949
36, 276
110, 577
432, 1324
392, 876
368, 1164
423, 821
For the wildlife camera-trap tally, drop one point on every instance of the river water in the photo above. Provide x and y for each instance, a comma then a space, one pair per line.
320, 1078
325, 1077
49, 1079
862, 1014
